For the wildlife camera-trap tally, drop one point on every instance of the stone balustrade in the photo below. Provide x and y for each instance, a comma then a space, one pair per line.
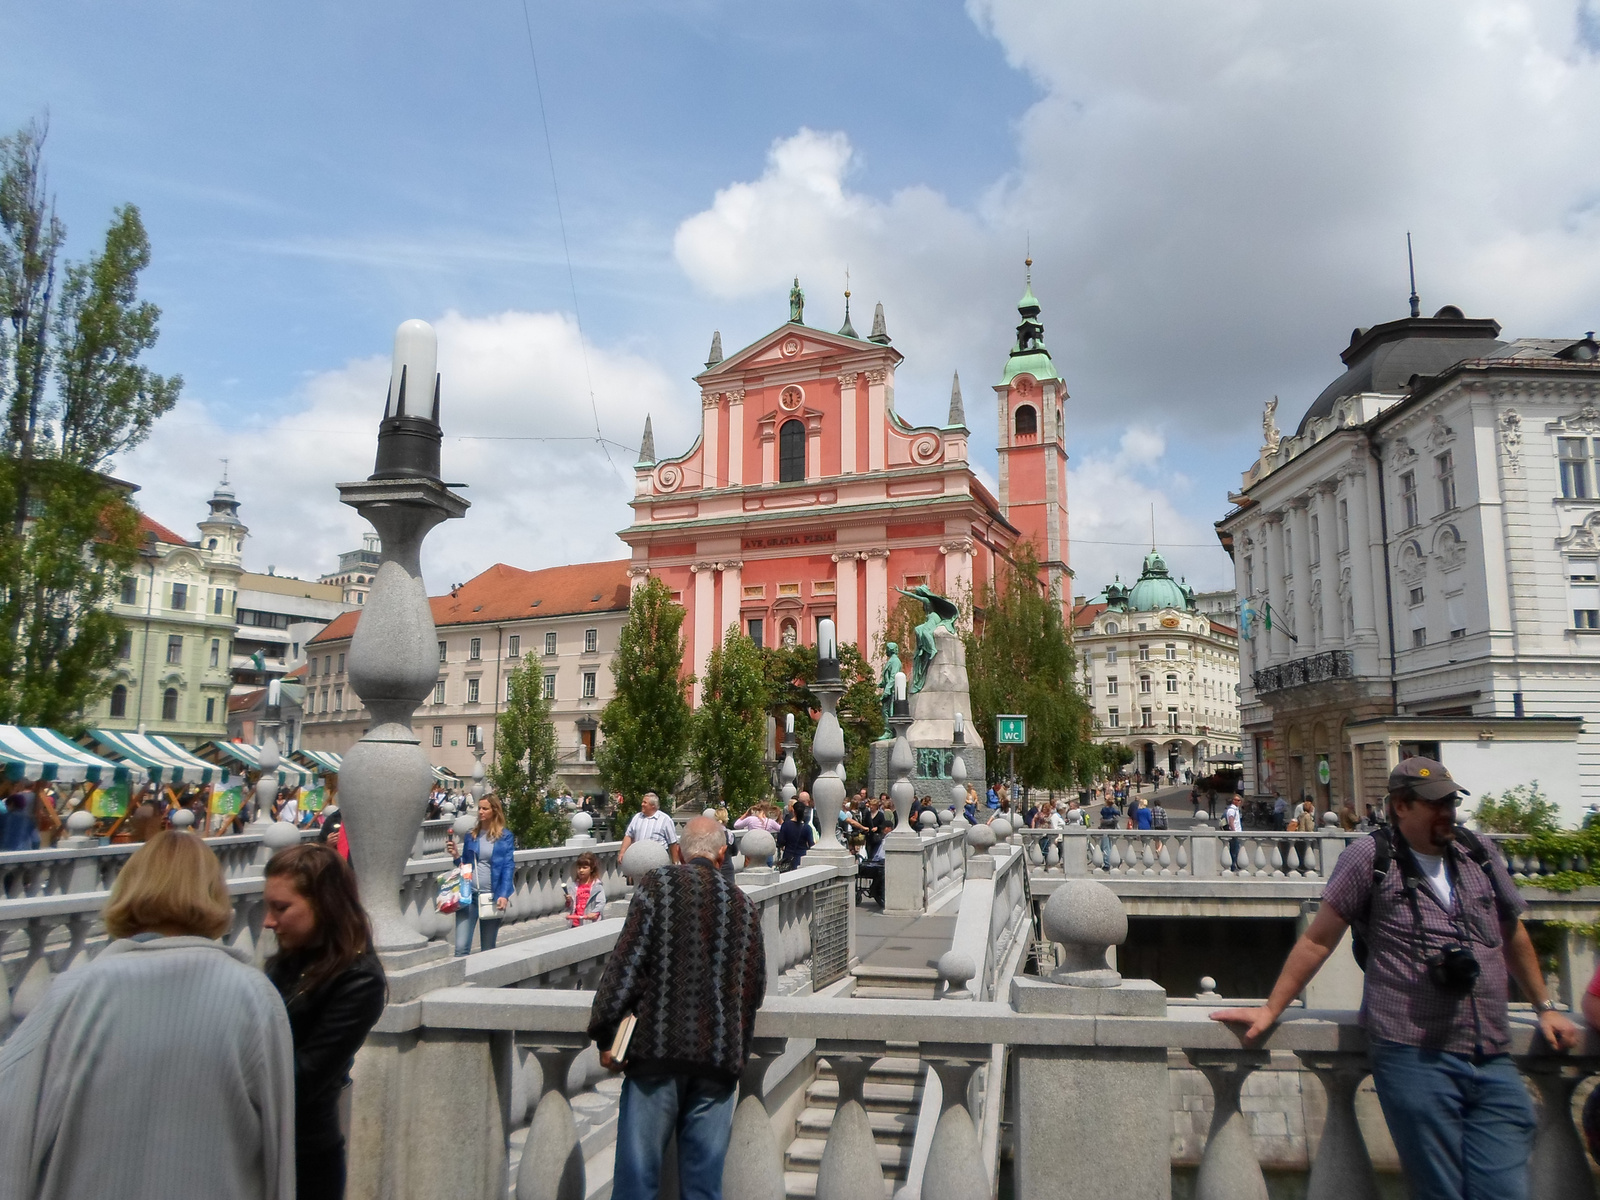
91, 867
1199, 853
944, 863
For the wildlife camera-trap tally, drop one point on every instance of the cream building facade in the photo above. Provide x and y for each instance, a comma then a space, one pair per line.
1160, 675
564, 620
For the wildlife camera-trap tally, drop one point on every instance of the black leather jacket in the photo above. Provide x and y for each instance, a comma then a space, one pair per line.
329, 1024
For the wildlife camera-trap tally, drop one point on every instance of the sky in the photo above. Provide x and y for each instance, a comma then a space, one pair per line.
1214, 194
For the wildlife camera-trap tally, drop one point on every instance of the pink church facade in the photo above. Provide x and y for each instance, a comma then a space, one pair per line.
807, 496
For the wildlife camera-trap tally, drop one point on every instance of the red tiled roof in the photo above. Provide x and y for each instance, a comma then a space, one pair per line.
245, 701
1219, 627
505, 593
163, 534
1083, 616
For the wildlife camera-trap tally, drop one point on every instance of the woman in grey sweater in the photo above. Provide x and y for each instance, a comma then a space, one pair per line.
163, 1068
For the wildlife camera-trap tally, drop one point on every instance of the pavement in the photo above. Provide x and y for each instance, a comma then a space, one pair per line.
901, 939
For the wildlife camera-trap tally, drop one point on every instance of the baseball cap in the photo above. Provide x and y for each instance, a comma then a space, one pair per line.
1424, 778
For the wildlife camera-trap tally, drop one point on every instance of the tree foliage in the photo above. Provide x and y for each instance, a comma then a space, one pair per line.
525, 759
728, 743
645, 726
74, 393
1521, 809
791, 671
1020, 660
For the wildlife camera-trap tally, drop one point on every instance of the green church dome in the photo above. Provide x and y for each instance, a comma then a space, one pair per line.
1157, 589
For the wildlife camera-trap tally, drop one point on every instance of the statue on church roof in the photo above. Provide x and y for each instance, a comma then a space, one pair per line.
942, 613
797, 303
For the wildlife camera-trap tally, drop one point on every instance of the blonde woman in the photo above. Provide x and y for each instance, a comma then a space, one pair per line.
105, 1049
487, 860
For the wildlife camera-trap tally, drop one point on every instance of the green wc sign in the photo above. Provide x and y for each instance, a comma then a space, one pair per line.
1011, 729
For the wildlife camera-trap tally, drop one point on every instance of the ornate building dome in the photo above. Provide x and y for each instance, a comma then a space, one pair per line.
1157, 589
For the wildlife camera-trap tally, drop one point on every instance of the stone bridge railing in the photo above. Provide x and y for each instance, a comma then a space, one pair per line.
91, 867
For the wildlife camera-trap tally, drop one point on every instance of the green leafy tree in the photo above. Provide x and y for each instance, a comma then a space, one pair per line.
74, 394
791, 671
525, 759
1521, 809
1020, 660
728, 743
645, 725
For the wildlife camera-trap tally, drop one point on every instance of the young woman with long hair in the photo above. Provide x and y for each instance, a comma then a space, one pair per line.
487, 858
334, 989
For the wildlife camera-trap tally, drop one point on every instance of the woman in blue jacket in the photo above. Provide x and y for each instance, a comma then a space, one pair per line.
487, 857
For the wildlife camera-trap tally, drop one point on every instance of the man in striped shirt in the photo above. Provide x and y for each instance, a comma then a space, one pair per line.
650, 824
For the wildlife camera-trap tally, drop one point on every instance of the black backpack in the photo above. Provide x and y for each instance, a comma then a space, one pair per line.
1383, 838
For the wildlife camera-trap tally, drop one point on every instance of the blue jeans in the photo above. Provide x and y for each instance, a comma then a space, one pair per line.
702, 1114
466, 918
1463, 1126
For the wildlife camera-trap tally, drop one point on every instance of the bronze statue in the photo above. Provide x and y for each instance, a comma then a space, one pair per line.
942, 613
891, 668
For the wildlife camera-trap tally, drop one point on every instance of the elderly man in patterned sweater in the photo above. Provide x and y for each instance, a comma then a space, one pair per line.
691, 967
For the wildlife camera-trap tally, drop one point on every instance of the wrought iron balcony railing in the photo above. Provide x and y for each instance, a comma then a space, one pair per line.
1316, 668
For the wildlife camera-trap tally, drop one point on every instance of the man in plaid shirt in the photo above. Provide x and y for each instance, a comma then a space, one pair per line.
1437, 1025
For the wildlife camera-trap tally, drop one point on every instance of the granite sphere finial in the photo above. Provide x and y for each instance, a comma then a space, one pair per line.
955, 969
980, 838
279, 835
464, 824
1208, 986
644, 857
582, 822
80, 822
181, 819
946, 816
1330, 819
757, 846
927, 820
1085, 918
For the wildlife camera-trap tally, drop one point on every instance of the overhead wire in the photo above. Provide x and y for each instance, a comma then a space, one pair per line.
561, 220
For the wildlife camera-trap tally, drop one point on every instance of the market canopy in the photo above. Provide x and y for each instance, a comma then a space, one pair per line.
32, 752
163, 758
325, 762
250, 756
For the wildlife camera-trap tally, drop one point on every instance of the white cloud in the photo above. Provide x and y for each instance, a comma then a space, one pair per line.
506, 378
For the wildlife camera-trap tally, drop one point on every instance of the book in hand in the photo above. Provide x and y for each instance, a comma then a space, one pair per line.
619, 1044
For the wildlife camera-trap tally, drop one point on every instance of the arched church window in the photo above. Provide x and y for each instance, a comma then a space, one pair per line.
1027, 421
212, 544
792, 452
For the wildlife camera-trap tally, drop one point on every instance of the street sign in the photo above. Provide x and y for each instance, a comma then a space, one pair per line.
1011, 729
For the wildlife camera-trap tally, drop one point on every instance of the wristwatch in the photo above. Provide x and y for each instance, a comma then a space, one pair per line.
1545, 1006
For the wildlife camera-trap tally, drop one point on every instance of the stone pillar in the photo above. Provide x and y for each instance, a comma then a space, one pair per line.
1362, 591
735, 439
1300, 564
847, 422
1329, 618
732, 592
903, 884
813, 449
711, 439
846, 593
1074, 1087
705, 621
877, 596
877, 419
1272, 583
957, 567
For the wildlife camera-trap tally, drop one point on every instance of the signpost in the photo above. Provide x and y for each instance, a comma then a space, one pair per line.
1011, 731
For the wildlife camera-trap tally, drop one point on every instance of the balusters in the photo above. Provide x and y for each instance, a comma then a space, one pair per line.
850, 1166
1277, 860
1558, 1168
1260, 858
1165, 859
1229, 1169
753, 1168
955, 1169
34, 978
1343, 1168
552, 1158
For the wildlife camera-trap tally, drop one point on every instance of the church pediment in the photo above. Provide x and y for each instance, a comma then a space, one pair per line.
791, 344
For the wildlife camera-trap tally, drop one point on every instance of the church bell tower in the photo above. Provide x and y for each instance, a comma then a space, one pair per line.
1033, 448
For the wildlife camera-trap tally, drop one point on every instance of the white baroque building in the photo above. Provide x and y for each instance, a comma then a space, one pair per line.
1424, 547
1161, 676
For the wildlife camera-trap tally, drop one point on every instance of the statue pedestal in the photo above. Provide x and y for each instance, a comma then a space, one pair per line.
945, 692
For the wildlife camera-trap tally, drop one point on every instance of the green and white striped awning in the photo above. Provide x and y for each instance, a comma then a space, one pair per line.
32, 752
324, 762
250, 756
163, 758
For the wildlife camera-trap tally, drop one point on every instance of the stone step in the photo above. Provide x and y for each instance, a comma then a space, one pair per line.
805, 1154
887, 1127
802, 1185
885, 1070
876, 1097
895, 983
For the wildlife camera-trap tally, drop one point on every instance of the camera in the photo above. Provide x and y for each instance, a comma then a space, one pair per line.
1454, 969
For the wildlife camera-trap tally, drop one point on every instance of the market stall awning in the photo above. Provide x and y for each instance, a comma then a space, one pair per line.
163, 758
32, 752
444, 776
289, 774
324, 762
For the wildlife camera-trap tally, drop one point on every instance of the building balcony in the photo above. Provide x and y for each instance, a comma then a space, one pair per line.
1315, 668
